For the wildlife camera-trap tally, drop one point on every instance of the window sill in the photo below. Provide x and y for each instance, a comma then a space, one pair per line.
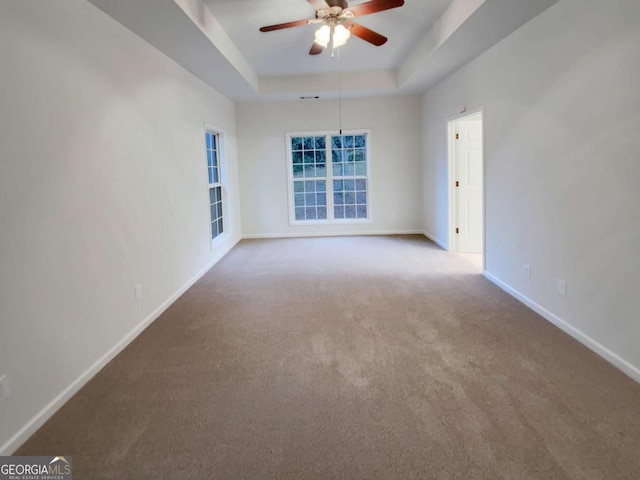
215, 242
310, 223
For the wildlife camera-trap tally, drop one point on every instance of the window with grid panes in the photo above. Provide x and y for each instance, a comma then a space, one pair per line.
329, 175
215, 183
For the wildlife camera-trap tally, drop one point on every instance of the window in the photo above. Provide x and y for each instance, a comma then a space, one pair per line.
215, 183
329, 177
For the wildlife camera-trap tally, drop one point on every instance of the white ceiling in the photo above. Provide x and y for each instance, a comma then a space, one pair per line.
219, 41
285, 52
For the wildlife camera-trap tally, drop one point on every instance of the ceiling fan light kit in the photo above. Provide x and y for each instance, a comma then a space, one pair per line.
337, 36
340, 36
337, 25
323, 36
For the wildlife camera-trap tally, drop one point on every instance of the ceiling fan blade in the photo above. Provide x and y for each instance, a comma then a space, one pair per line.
316, 49
375, 6
280, 26
365, 34
318, 4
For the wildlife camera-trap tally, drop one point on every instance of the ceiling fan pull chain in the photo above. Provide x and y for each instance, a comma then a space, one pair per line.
340, 92
333, 42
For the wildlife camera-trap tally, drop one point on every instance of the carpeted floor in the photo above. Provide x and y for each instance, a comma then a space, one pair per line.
350, 358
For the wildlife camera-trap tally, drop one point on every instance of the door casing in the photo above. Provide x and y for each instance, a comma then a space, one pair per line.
452, 172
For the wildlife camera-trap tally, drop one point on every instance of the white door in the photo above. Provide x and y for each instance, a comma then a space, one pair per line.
469, 184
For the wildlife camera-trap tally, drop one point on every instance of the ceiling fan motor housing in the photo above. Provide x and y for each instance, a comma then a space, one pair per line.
337, 3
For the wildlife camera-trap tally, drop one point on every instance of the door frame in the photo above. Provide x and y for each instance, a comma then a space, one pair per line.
453, 198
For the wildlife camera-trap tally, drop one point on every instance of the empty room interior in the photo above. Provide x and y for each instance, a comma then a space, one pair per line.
321, 239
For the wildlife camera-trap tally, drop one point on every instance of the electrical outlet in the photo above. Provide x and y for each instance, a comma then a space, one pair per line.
561, 287
4, 388
527, 271
138, 292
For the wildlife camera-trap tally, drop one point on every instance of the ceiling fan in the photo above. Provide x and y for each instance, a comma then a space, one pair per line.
337, 22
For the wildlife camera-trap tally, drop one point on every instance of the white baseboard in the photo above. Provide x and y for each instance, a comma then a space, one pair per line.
54, 405
435, 240
590, 343
252, 236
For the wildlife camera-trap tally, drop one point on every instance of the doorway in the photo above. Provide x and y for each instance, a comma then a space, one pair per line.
466, 171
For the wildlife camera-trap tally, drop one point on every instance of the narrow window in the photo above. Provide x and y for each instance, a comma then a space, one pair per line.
215, 183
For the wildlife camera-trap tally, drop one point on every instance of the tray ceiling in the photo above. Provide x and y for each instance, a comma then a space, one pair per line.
219, 41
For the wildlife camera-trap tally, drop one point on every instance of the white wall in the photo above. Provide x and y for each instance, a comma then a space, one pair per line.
394, 150
102, 186
561, 99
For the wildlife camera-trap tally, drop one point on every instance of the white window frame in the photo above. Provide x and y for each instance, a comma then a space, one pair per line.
329, 179
220, 150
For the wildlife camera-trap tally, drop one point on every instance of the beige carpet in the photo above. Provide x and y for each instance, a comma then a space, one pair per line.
350, 358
